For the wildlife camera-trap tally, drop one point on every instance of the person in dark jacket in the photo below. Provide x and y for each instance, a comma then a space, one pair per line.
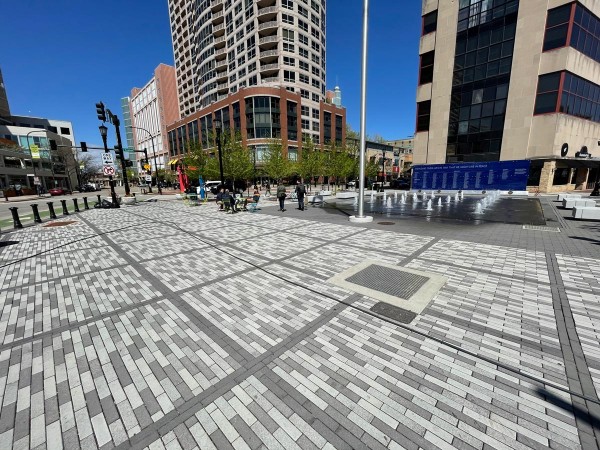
219, 198
300, 192
281, 195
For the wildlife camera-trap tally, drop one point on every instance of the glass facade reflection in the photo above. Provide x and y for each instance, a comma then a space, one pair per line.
482, 66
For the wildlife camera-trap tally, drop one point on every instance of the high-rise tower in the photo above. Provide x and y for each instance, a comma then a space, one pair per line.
229, 51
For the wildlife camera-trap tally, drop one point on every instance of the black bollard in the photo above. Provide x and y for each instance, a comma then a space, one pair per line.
85, 203
51, 210
99, 200
76, 205
16, 220
36, 213
64, 207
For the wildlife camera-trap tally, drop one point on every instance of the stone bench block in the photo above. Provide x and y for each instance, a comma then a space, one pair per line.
586, 213
561, 197
571, 202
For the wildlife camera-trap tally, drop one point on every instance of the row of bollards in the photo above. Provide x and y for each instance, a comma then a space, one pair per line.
36, 214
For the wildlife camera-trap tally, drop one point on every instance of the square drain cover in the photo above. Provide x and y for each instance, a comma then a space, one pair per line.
389, 281
402, 287
393, 312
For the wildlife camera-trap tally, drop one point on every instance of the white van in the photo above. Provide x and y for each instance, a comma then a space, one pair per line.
209, 186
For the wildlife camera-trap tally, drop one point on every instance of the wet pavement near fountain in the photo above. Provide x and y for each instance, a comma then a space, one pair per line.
474, 209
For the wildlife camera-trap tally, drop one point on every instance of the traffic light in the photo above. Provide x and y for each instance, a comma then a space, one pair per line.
53, 145
83, 147
101, 112
128, 163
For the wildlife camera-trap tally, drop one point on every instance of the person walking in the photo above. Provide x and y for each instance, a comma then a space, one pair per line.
267, 189
300, 192
281, 195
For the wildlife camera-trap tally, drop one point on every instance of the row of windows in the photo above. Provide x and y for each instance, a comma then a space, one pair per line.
576, 96
584, 30
473, 13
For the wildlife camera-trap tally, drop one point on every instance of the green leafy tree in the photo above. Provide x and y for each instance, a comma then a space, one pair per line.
311, 161
275, 163
238, 164
194, 160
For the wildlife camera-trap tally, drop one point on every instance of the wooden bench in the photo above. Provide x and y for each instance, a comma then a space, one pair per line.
571, 202
589, 213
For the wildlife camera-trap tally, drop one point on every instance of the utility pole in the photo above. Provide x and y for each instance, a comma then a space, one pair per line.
117, 123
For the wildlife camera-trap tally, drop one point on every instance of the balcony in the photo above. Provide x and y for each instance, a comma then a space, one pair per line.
216, 5
265, 3
273, 24
222, 86
266, 80
221, 65
268, 42
217, 17
219, 29
221, 53
269, 12
269, 67
221, 76
269, 54
220, 42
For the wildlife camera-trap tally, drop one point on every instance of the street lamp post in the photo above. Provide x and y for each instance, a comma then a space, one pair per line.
360, 216
154, 155
104, 134
217, 123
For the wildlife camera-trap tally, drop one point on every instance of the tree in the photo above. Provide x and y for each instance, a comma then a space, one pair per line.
166, 175
311, 161
351, 134
194, 160
275, 164
89, 167
238, 164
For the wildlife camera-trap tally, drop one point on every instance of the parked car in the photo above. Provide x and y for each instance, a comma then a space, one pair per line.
59, 191
87, 188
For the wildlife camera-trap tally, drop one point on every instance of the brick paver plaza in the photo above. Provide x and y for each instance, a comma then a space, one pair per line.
165, 326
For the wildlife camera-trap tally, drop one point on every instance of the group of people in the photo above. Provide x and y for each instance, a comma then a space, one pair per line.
236, 201
300, 191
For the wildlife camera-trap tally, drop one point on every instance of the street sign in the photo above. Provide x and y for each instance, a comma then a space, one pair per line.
35, 151
147, 166
36, 180
108, 170
149, 178
107, 159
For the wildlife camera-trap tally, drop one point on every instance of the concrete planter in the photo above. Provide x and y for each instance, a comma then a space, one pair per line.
128, 200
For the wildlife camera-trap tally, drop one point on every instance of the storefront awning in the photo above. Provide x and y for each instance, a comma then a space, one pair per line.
173, 161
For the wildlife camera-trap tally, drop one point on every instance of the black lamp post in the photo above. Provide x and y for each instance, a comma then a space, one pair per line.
217, 124
104, 134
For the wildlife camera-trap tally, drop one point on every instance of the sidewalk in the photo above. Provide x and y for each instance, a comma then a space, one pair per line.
166, 326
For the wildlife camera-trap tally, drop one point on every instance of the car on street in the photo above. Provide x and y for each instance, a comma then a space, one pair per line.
58, 191
87, 188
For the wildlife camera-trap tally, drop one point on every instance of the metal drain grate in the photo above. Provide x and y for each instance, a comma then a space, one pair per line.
386, 223
541, 228
393, 312
60, 224
389, 281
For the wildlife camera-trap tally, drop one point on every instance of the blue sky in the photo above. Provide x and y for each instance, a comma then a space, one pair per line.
68, 55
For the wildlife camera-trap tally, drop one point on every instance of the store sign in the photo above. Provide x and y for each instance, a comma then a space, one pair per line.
35, 151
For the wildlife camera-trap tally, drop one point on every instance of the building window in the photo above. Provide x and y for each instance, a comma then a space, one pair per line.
585, 36
557, 27
423, 114
289, 61
426, 67
292, 120
293, 153
430, 22
580, 98
547, 93
305, 111
289, 76
65, 131
286, 18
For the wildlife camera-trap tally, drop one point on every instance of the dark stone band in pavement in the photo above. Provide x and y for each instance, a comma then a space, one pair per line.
576, 368
181, 414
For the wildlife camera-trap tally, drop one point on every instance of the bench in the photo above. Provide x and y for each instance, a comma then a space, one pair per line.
571, 202
590, 213
346, 195
561, 197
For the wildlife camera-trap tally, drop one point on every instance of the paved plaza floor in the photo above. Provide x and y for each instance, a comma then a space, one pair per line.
167, 326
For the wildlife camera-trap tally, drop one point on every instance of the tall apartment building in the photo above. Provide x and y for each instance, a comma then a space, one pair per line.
512, 80
153, 107
258, 67
126, 111
4, 106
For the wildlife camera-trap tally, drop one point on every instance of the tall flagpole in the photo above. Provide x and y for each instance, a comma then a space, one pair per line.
360, 217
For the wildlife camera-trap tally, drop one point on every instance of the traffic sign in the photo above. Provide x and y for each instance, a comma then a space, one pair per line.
148, 177
147, 166
108, 170
107, 158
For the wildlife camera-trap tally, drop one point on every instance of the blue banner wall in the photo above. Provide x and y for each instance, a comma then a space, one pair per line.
502, 175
